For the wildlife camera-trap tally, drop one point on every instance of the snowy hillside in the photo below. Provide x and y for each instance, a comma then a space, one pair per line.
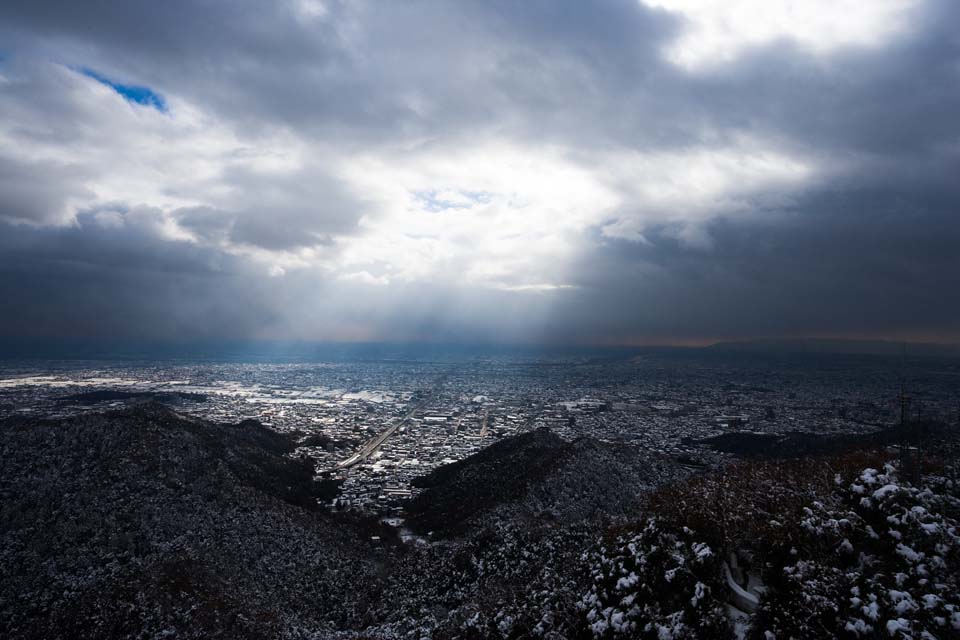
142, 523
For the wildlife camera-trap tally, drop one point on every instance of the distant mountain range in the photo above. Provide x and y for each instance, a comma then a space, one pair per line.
837, 346
305, 351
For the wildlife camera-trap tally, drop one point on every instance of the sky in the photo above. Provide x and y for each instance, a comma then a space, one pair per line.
611, 173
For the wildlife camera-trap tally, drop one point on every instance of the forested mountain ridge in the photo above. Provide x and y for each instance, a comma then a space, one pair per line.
143, 523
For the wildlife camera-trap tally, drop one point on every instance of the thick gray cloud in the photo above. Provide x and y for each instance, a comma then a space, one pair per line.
533, 171
37, 192
102, 280
824, 271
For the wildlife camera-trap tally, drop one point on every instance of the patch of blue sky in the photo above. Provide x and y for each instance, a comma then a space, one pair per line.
437, 200
132, 93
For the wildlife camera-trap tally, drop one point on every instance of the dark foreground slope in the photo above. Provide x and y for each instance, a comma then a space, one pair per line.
539, 478
141, 523
144, 524
831, 547
802, 444
502, 471
510, 526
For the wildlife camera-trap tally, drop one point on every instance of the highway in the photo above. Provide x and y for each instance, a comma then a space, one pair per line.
374, 444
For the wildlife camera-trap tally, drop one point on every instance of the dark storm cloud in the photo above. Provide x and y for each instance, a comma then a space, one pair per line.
92, 279
873, 251
865, 261
37, 192
356, 68
566, 70
867, 246
897, 100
